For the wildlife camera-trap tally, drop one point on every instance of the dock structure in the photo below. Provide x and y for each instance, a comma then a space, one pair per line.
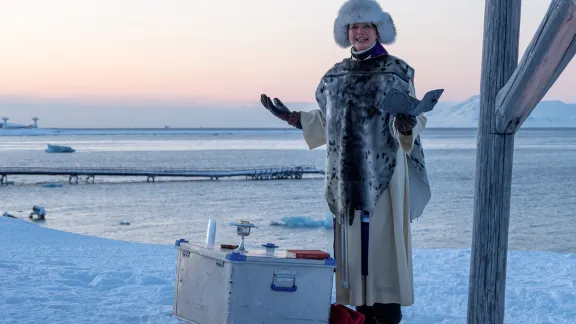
261, 173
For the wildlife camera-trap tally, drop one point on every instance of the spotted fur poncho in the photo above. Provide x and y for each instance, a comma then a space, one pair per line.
361, 145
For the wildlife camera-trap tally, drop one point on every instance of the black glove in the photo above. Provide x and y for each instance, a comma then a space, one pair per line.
405, 123
278, 109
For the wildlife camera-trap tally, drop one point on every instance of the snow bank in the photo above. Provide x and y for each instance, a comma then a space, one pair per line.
49, 276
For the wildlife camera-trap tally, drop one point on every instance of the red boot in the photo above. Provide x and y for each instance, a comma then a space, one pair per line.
340, 314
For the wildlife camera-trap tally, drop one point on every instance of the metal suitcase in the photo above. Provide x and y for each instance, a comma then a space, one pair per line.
221, 286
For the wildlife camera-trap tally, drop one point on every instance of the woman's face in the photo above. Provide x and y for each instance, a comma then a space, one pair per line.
362, 35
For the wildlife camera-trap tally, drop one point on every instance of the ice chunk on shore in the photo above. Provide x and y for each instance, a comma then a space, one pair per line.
59, 149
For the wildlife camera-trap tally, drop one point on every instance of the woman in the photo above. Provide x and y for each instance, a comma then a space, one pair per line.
376, 179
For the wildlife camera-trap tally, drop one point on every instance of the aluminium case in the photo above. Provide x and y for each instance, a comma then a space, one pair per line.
218, 286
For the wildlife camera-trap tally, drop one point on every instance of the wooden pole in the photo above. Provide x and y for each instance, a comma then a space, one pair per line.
552, 48
493, 167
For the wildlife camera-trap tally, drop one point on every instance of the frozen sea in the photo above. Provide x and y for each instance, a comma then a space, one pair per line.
542, 211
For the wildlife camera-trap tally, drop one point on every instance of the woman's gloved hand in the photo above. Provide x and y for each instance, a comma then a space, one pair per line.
405, 123
278, 109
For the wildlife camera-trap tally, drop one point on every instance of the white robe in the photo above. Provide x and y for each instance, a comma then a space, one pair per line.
390, 272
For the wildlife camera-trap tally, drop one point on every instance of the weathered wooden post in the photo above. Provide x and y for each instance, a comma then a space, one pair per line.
493, 167
507, 96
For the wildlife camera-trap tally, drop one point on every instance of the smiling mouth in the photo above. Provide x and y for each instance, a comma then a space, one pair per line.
361, 39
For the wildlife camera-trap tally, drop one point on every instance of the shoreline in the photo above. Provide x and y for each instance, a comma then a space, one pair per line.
192, 131
141, 131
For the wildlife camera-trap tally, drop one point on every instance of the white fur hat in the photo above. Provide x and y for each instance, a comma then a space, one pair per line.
367, 11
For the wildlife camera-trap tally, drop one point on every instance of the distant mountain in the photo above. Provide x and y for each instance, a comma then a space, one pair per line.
85, 113
465, 114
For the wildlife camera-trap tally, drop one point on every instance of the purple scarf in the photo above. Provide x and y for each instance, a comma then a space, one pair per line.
376, 50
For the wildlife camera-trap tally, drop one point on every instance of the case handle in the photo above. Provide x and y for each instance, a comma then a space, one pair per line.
284, 282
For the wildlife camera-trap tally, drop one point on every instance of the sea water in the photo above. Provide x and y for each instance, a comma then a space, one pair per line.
542, 208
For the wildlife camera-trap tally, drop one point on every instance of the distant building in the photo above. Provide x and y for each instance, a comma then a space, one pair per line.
5, 125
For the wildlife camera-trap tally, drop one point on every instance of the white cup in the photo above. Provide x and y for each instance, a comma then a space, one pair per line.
211, 233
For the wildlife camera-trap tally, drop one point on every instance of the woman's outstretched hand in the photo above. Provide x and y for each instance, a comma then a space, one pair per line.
405, 123
278, 109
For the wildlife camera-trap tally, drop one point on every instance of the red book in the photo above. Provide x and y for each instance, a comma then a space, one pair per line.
307, 254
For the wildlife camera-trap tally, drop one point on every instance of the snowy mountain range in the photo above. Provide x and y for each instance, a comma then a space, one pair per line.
152, 114
546, 114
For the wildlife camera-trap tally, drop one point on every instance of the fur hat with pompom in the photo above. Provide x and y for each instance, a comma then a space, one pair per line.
363, 11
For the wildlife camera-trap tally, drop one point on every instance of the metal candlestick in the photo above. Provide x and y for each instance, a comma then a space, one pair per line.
242, 229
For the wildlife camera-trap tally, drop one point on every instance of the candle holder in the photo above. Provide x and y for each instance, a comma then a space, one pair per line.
242, 229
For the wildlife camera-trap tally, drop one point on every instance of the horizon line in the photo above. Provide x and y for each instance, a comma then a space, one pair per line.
234, 128
191, 100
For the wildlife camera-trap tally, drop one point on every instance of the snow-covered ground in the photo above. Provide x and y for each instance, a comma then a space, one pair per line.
49, 276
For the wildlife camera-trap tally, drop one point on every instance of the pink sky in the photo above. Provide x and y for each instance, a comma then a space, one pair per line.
228, 50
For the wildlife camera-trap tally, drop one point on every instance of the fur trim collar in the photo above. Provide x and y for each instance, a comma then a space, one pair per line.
357, 11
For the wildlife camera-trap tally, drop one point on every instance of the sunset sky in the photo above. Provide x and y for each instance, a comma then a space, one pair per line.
230, 50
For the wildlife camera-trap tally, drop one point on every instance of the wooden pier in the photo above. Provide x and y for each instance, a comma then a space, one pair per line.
262, 173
